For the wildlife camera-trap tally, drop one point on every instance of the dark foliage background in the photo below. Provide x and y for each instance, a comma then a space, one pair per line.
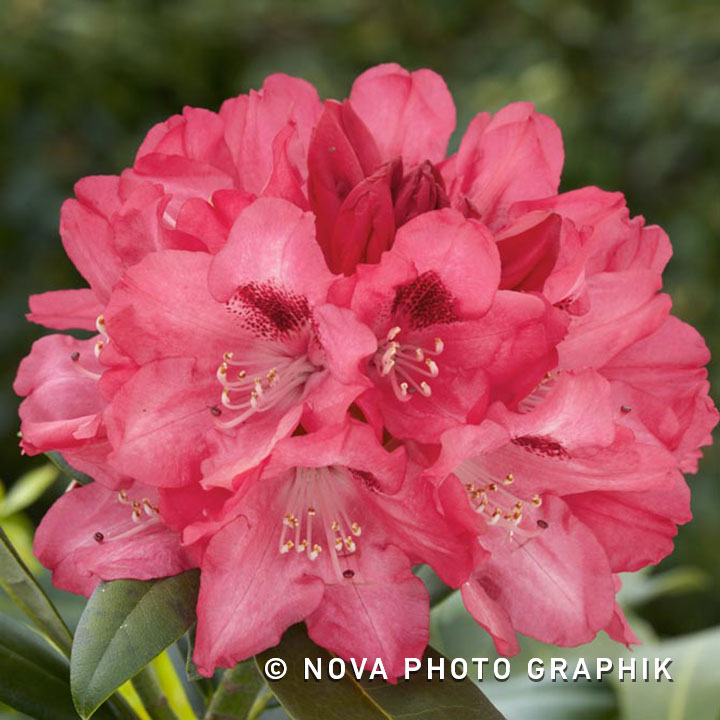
633, 85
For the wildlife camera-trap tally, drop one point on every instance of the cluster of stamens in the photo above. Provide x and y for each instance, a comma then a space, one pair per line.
496, 504
405, 364
143, 513
274, 378
316, 519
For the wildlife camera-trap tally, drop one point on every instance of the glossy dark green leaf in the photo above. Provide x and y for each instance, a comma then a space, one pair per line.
348, 699
236, 693
125, 625
34, 678
20, 584
57, 459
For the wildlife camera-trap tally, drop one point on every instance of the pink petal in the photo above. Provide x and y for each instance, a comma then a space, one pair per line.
632, 534
62, 402
382, 613
271, 242
410, 115
162, 307
556, 587
491, 616
151, 418
252, 122
446, 243
516, 156
65, 309
249, 593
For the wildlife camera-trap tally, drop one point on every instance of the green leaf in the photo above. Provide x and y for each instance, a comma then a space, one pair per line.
20, 584
127, 623
695, 690
34, 678
348, 699
236, 693
27, 490
59, 461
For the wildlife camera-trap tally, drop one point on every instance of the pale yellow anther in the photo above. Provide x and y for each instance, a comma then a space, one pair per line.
537, 501
394, 332
419, 355
432, 367
301, 546
311, 511
403, 388
227, 356
439, 345
509, 479
335, 525
492, 487
316, 550
425, 388
241, 375
223, 368
338, 544
356, 529
350, 544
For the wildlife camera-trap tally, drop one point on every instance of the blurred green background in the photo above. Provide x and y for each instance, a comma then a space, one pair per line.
634, 86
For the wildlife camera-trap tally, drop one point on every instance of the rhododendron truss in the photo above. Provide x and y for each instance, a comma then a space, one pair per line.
323, 352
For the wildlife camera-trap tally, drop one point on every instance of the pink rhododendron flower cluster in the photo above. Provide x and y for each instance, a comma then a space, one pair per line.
323, 352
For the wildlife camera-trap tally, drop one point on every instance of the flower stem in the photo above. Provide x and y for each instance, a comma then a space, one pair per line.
259, 705
237, 693
148, 688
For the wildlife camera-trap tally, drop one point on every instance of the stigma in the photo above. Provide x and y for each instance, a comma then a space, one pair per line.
407, 365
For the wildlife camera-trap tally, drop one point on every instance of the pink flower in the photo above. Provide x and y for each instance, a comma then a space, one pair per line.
326, 533
92, 533
558, 506
324, 352
448, 341
232, 350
